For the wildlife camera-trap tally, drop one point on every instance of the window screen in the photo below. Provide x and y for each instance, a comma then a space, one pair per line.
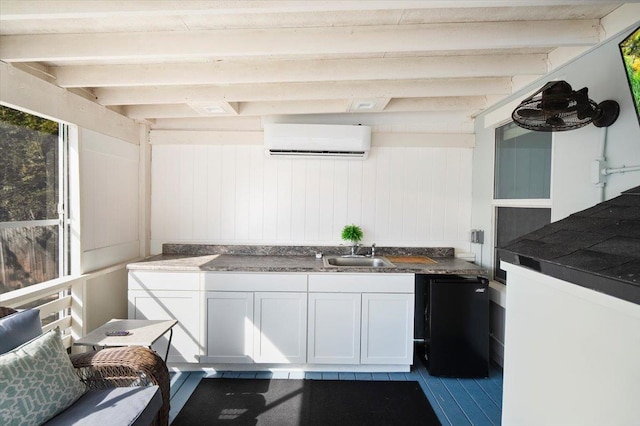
522, 163
32, 200
513, 222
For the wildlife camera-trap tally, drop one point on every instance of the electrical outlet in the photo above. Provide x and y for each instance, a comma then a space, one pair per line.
597, 176
477, 236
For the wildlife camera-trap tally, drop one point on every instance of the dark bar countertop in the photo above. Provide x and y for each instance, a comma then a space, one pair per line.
597, 248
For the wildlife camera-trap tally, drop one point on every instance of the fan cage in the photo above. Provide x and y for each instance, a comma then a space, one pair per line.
531, 114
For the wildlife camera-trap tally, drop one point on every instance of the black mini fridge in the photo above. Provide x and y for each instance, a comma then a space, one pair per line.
457, 326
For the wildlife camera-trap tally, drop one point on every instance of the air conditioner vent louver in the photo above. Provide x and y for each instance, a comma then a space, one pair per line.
286, 152
317, 141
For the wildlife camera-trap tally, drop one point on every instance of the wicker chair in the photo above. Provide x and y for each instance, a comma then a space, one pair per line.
122, 367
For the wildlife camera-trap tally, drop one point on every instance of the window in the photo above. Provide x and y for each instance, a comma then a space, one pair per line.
34, 244
513, 222
523, 163
522, 187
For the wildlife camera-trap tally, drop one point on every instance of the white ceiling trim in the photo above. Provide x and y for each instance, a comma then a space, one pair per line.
21, 90
205, 137
305, 91
184, 45
378, 139
453, 103
250, 109
423, 66
462, 103
47, 9
288, 71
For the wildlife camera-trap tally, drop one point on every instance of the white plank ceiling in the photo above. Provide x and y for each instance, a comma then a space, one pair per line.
196, 64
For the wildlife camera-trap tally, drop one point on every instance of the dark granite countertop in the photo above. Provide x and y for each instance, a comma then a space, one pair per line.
242, 260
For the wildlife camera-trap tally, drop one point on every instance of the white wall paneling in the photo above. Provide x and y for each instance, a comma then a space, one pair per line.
233, 194
109, 200
104, 298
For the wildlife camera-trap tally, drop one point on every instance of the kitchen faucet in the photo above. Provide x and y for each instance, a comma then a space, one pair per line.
356, 247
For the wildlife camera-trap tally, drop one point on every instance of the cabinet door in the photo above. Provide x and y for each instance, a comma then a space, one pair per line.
281, 327
334, 328
387, 328
229, 327
183, 306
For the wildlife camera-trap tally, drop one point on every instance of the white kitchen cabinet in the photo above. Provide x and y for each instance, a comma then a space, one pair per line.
385, 316
324, 320
260, 317
334, 328
280, 334
229, 327
153, 296
387, 328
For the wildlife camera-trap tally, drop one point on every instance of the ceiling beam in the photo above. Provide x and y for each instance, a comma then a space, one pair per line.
459, 103
159, 136
286, 71
184, 45
415, 122
304, 91
293, 107
21, 90
462, 103
246, 109
228, 123
13, 10
419, 122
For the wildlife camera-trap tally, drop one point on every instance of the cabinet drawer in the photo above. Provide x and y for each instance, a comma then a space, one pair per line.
254, 282
362, 283
148, 280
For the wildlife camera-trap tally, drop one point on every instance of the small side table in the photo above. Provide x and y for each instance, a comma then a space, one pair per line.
143, 333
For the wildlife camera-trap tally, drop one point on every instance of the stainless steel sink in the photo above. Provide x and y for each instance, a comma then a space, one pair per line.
356, 262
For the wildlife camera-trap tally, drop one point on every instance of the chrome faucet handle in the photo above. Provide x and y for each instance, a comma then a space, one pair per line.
373, 250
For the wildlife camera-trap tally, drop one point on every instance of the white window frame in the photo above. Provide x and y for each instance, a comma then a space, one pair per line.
514, 202
68, 203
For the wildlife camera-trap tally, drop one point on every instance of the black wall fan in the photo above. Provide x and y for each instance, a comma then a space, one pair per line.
556, 107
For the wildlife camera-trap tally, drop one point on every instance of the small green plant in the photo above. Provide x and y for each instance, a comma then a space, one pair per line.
352, 233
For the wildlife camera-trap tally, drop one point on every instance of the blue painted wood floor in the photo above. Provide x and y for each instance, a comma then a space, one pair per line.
456, 401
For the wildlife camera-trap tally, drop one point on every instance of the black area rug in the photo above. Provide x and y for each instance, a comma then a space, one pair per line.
306, 402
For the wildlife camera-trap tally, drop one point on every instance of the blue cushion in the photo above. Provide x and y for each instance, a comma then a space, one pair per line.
19, 328
116, 406
37, 381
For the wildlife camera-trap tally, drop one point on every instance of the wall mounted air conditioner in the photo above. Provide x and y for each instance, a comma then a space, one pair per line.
317, 140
